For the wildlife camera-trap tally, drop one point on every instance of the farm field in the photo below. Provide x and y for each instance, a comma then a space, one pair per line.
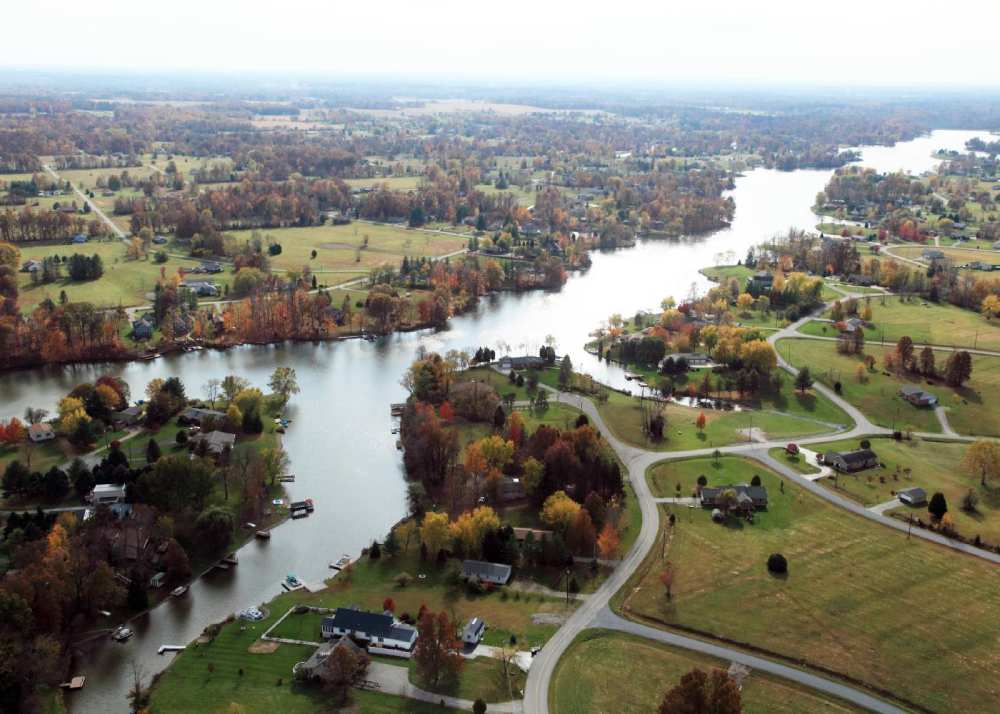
589, 678
859, 599
932, 465
341, 248
125, 282
969, 408
923, 322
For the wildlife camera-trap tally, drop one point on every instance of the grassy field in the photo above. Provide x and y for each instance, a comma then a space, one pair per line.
932, 465
923, 322
664, 477
794, 461
970, 408
589, 678
339, 248
859, 599
125, 282
959, 256
722, 273
394, 183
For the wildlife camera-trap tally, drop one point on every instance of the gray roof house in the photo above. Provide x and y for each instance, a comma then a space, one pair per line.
851, 461
932, 254
917, 396
473, 631
197, 414
914, 496
376, 628
746, 495
216, 441
528, 362
142, 329
201, 288
496, 573
126, 417
312, 670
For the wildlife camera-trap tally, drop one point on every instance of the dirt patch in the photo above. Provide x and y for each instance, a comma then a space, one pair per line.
755, 434
262, 647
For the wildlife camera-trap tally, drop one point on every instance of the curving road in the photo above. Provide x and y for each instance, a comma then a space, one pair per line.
595, 612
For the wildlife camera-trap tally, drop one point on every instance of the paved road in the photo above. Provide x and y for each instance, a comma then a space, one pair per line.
607, 619
93, 206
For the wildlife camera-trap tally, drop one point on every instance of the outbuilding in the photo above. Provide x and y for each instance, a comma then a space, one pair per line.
914, 496
473, 631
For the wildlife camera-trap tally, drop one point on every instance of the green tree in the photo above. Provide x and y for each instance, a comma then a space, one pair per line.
938, 506
284, 383
565, 372
803, 380
215, 527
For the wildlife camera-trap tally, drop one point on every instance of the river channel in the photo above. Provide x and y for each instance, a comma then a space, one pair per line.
340, 442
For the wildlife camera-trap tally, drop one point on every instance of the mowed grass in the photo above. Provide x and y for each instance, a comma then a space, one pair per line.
932, 465
340, 248
859, 598
393, 183
958, 256
923, 322
125, 282
588, 678
793, 461
665, 477
970, 408
623, 416
722, 273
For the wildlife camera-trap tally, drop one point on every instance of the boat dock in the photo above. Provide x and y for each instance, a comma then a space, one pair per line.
169, 648
397, 409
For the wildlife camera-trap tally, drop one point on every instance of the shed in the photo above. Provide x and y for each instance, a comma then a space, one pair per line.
473, 631
914, 496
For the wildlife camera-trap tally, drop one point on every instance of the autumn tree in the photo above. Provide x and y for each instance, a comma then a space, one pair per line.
700, 421
958, 368
469, 529
559, 511
700, 693
609, 541
344, 668
581, 536
284, 383
436, 654
983, 458
904, 351
803, 380
927, 365
434, 532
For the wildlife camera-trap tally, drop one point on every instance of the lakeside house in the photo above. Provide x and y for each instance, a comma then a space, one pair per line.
494, 573
313, 669
195, 415
41, 432
747, 497
142, 329
216, 442
473, 631
759, 283
518, 363
914, 496
126, 417
693, 359
917, 396
851, 461
375, 629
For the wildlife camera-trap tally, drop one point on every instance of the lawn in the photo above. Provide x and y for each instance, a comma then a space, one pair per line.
923, 322
793, 461
666, 476
932, 465
970, 407
722, 273
340, 249
125, 282
623, 416
959, 256
859, 599
588, 677
500, 382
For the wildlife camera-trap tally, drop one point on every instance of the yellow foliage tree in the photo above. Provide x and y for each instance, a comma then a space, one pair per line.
434, 532
559, 510
471, 527
71, 413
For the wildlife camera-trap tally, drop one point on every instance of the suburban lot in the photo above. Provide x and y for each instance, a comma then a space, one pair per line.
859, 599
589, 678
342, 248
932, 465
970, 408
923, 322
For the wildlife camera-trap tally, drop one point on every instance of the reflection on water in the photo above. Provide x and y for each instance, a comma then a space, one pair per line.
340, 442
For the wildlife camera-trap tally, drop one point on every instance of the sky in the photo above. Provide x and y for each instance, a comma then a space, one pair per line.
865, 42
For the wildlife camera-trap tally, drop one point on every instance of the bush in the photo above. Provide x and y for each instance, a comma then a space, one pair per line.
865, 444
777, 564
181, 438
755, 481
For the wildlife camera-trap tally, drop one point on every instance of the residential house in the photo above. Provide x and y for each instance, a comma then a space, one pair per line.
759, 283
529, 362
216, 441
537, 534
313, 669
160, 240
126, 417
31, 266
211, 266
747, 497
142, 329
859, 279
79, 238
914, 496
195, 415
202, 288
917, 396
980, 265
510, 489
853, 324
473, 631
107, 493
932, 254
41, 432
851, 461
495, 573
376, 629
693, 359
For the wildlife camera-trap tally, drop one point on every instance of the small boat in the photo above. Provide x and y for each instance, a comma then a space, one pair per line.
300, 513
291, 583
399, 445
309, 505
263, 534
344, 561
74, 683
290, 478
179, 590
122, 634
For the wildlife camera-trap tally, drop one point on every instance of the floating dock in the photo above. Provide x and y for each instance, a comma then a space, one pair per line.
169, 648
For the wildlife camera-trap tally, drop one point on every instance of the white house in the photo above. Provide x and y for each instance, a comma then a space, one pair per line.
107, 493
41, 432
375, 628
